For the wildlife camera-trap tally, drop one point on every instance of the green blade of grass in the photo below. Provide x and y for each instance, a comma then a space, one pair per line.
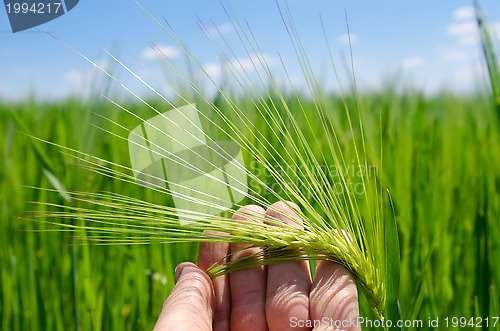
392, 266
490, 56
43, 160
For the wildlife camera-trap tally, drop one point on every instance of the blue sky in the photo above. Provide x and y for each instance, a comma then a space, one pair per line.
430, 44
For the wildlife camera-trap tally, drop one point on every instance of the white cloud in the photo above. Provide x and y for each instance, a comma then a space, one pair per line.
413, 62
464, 13
78, 78
470, 40
248, 63
495, 29
79, 82
465, 78
103, 64
344, 39
467, 32
3, 87
241, 64
213, 69
220, 30
461, 28
463, 74
159, 51
454, 55
465, 27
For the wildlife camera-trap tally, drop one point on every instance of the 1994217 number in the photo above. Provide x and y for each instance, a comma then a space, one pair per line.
473, 322
35, 8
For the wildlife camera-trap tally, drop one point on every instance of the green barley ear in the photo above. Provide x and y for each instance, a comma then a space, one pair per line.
317, 158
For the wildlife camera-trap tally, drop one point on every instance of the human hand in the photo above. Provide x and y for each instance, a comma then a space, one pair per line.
280, 296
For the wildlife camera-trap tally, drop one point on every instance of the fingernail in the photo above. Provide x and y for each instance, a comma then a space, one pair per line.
178, 272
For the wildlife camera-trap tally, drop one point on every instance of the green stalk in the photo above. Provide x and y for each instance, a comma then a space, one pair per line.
392, 266
490, 56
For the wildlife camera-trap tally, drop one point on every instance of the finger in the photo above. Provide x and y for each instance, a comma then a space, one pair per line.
248, 287
288, 283
334, 296
208, 254
190, 304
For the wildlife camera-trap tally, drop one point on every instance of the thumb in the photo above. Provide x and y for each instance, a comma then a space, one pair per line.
190, 304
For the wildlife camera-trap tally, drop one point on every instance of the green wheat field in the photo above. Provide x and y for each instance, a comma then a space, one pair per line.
441, 163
